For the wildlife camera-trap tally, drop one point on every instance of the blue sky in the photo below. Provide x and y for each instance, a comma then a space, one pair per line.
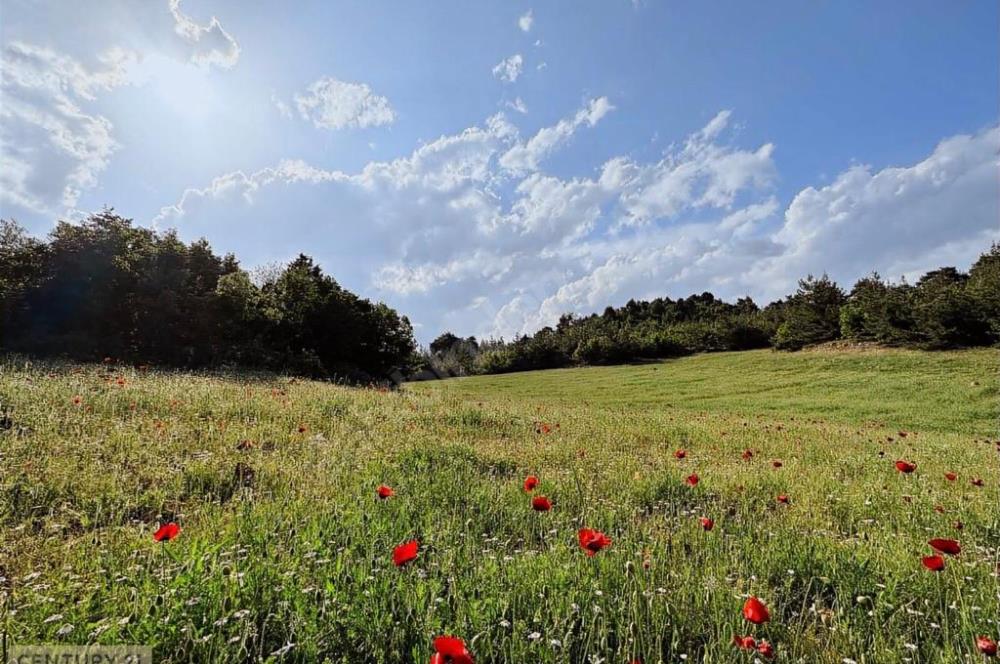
485, 167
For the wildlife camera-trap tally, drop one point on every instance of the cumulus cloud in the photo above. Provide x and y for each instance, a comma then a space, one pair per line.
526, 21
704, 173
509, 69
896, 218
210, 44
469, 232
51, 148
900, 221
525, 157
332, 104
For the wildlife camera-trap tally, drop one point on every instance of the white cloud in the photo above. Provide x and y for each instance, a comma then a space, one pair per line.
284, 109
510, 68
901, 221
211, 44
702, 174
894, 219
51, 149
517, 105
468, 232
525, 21
526, 157
333, 104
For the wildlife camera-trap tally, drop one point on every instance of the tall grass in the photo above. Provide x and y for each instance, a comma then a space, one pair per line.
290, 558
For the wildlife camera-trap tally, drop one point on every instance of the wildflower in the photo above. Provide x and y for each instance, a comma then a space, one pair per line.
744, 642
986, 645
385, 492
530, 482
976, 481
747, 454
692, 479
592, 541
404, 553
783, 499
777, 463
949, 546
167, 532
934, 563
541, 504
755, 611
707, 523
951, 477
765, 649
450, 650
680, 454
905, 466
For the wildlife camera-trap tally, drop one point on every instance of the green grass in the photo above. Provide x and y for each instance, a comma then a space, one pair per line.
303, 556
948, 392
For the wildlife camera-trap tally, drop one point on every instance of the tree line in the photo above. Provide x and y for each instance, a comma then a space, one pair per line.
107, 288
945, 308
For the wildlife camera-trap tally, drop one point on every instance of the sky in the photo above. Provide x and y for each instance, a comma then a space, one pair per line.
486, 167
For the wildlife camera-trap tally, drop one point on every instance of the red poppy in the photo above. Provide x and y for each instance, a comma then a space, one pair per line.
541, 504
783, 499
744, 642
77, 401
905, 466
765, 649
592, 541
530, 482
976, 481
958, 525
755, 611
944, 545
747, 455
934, 563
951, 477
404, 553
692, 479
450, 649
987, 646
680, 454
777, 464
302, 428
385, 492
167, 532
707, 523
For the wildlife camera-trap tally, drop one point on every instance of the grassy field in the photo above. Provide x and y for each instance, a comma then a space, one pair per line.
286, 553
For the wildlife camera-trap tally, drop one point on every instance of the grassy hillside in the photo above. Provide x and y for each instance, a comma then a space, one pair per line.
947, 391
285, 552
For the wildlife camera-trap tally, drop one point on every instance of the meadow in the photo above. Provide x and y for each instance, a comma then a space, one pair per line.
285, 549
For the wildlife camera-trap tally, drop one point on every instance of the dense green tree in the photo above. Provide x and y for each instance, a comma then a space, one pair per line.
983, 287
880, 312
22, 267
812, 314
945, 313
104, 287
